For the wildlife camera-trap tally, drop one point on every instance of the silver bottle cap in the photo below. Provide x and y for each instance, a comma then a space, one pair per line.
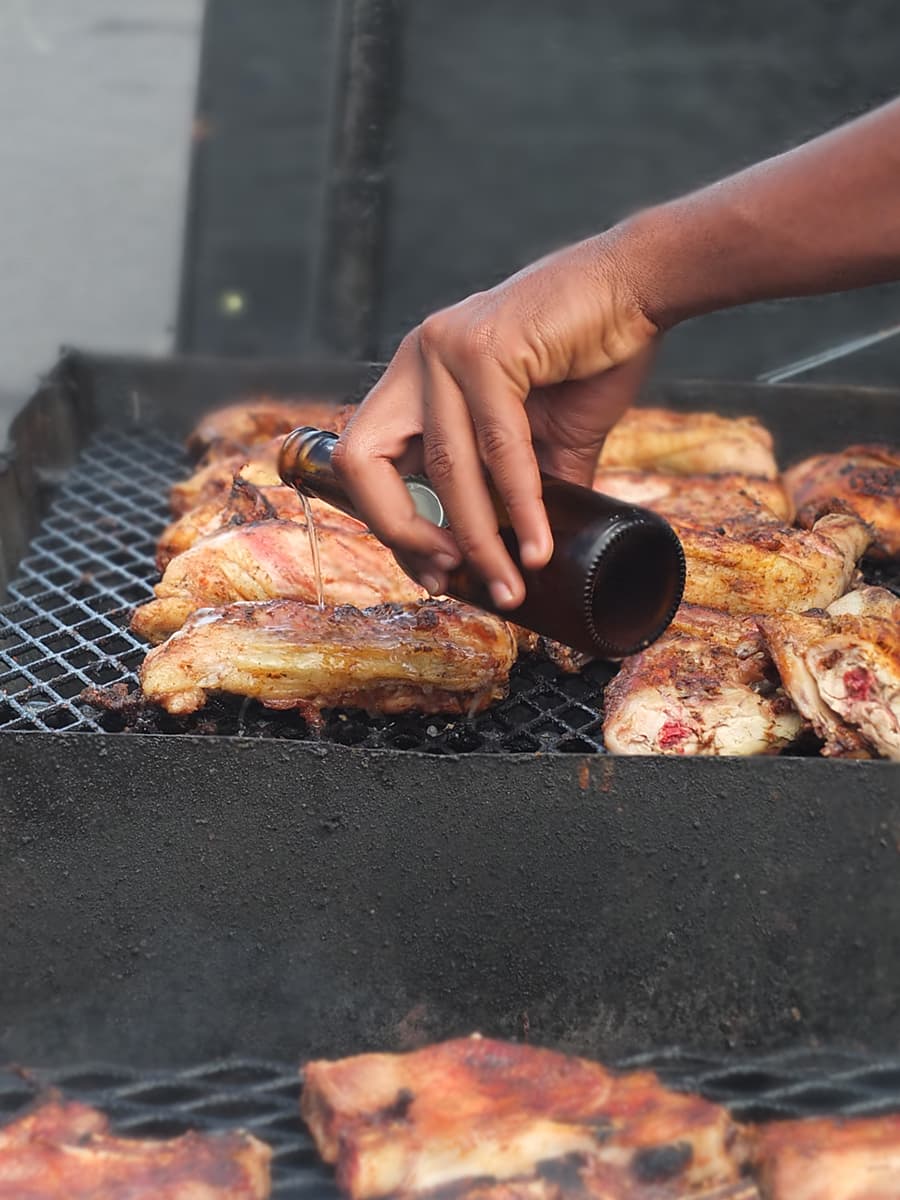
427, 501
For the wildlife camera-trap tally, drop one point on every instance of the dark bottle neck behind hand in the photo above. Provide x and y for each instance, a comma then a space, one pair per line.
611, 587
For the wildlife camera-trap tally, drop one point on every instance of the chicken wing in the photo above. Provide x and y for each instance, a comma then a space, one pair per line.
245, 504
66, 1152
699, 443
829, 1158
698, 499
746, 567
487, 1119
864, 480
437, 657
237, 427
842, 670
707, 687
213, 480
270, 560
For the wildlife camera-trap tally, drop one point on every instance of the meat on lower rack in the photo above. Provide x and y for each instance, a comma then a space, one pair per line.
708, 686
64, 1151
480, 1118
271, 560
864, 480
746, 567
699, 443
435, 657
699, 499
237, 427
841, 667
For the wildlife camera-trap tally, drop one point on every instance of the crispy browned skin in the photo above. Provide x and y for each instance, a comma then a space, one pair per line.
829, 1158
746, 567
707, 687
842, 669
272, 560
65, 1152
214, 480
474, 1114
237, 427
658, 439
699, 499
243, 505
437, 657
861, 479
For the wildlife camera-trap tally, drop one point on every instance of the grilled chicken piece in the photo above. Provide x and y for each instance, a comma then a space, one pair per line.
237, 427
271, 560
214, 480
842, 670
698, 499
864, 480
245, 504
707, 687
66, 1152
829, 1158
658, 439
745, 567
483, 1118
437, 657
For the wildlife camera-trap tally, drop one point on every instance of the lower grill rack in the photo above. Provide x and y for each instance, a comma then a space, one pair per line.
262, 1098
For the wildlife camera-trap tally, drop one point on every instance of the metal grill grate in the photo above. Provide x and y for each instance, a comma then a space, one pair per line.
263, 1097
65, 628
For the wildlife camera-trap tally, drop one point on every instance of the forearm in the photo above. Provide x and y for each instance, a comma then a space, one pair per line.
822, 218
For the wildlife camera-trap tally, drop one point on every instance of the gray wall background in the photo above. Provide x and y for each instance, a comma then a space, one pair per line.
96, 101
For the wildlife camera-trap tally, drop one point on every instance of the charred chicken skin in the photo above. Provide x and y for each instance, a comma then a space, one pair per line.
272, 560
703, 500
436, 657
237, 427
65, 1151
480, 1118
703, 443
864, 480
708, 686
744, 567
245, 504
841, 668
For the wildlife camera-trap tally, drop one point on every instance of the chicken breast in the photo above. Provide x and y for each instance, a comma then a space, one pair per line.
828, 1158
437, 657
699, 499
842, 670
707, 687
745, 567
237, 427
66, 1152
245, 504
864, 480
696, 443
270, 560
480, 1118
213, 481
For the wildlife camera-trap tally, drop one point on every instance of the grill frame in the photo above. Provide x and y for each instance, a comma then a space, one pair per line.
169, 899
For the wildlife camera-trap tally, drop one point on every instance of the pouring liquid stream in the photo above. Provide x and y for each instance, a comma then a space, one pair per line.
313, 534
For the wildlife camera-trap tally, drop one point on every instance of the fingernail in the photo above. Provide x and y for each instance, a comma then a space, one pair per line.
534, 553
501, 594
431, 584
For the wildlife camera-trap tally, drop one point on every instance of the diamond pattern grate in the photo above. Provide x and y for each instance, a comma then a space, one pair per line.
262, 1097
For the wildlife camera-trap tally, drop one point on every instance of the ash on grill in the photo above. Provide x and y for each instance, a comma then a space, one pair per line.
65, 631
262, 1098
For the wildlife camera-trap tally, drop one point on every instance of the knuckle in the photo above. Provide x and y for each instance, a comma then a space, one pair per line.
433, 335
439, 461
480, 339
496, 440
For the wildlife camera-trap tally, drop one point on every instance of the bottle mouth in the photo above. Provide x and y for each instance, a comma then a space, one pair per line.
634, 588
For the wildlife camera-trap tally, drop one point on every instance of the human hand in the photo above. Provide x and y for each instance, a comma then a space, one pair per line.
533, 371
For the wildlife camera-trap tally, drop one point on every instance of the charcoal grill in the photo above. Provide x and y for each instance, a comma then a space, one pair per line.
182, 893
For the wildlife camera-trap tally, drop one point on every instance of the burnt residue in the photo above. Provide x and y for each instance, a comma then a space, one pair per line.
398, 1109
656, 1164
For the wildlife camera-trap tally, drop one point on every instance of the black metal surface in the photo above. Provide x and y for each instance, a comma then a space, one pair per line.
262, 1097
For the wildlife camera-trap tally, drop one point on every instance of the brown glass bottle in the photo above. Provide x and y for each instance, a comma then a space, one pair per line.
611, 587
